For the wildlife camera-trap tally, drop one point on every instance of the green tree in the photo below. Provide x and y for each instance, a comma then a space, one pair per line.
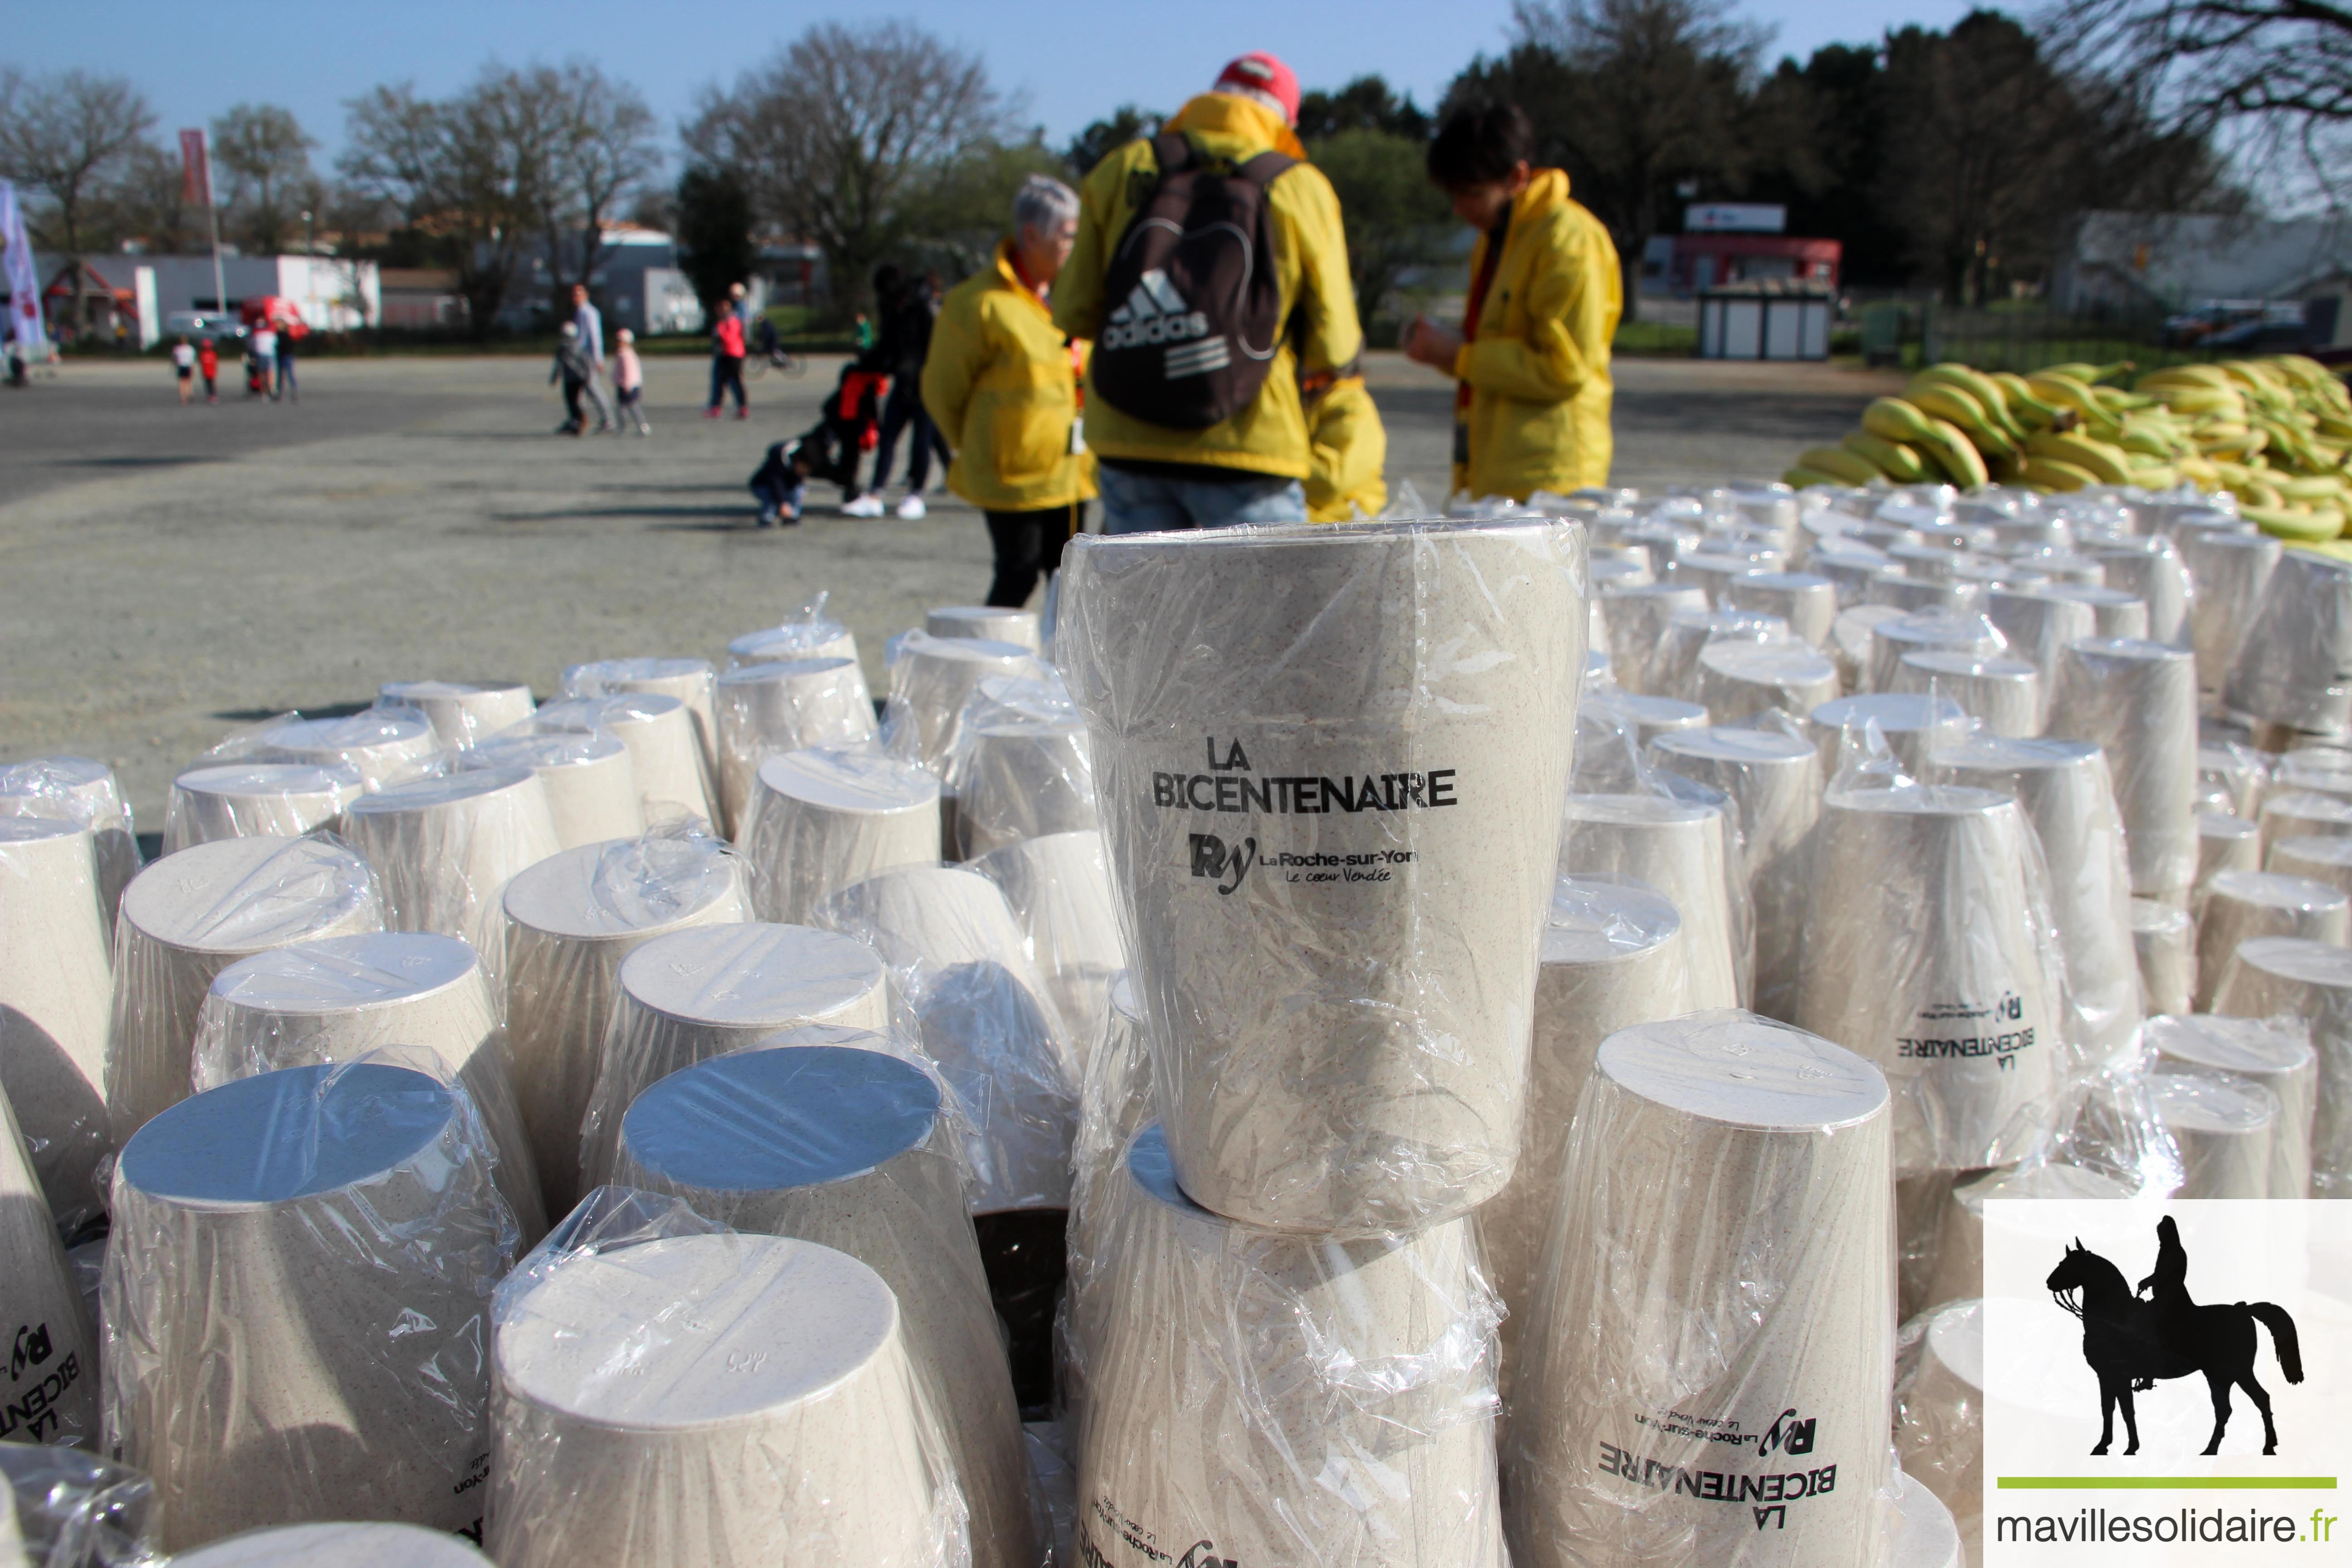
714, 232
266, 154
954, 226
1367, 103
1089, 146
1396, 219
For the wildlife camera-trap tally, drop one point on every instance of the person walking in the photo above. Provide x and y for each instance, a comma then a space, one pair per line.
1531, 362
629, 382
906, 341
726, 359
184, 370
208, 365
286, 369
1209, 271
571, 368
589, 324
265, 360
1001, 382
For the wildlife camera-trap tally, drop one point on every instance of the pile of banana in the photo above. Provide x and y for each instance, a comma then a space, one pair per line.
2273, 432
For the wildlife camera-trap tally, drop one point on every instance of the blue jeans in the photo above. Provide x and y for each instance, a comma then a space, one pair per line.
1144, 504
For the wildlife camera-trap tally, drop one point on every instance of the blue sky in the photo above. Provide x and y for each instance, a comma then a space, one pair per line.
1073, 60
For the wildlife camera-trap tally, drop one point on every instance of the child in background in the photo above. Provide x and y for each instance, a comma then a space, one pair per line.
184, 365
208, 365
629, 383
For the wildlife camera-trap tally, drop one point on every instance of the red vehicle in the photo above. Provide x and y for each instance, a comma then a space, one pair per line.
278, 310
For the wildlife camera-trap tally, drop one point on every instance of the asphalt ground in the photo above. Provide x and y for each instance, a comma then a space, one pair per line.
169, 574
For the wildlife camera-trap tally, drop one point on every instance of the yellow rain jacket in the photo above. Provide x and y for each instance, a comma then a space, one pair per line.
1310, 258
1349, 446
1538, 369
1001, 386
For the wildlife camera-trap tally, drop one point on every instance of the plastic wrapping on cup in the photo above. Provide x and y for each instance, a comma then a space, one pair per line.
357, 1201
687, 680
1717, 1299
335, 1546
856, 1149
383, 745
56, 993
1289, 1399
713, 1398
74, 1510
245, 800
807, 633
1736, 681
1113, 1105
1940, 1411
690, 994
2281, 979
1327, 760
190, 915
404, 998
590, 783
461, 712
1058, 887
2275, 1053
2231, 778
2293, 813
931, 679
2227, 573
1924, 630
986, 623
2240, 905
1807, 601
826, 818
78, 789
2164, 940
1689, 633
1687, 850
2004, 694
2150, 569
2227, 1127
1927, 952
2290, 669
665, 756
2137, 699
770, 709
1019, 768
443, 849
984, 1014
1905, 722
1636, 620
570, 921
49, 1387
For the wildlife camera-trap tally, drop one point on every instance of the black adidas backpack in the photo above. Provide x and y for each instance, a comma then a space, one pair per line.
1193, 310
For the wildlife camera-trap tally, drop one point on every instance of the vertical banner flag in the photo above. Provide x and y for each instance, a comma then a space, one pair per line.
24, 280
196, 170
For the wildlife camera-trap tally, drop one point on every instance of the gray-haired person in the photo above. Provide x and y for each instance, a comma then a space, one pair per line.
1002, 383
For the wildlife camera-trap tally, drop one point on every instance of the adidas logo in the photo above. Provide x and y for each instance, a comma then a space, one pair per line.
1154, 313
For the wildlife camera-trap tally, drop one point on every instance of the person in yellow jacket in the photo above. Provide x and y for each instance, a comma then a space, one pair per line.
1251, 466
1001, 382
1350, 446
1532, 410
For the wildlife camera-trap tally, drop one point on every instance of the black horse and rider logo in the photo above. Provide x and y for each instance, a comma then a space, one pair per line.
2132, 1342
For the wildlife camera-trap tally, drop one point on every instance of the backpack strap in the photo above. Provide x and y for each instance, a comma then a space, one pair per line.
1265, 168
1173, 152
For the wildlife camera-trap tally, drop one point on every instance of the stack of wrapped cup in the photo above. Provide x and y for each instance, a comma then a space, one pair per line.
55, 988
77, 789
666, 756
2285, 976
827, 818
589, 780
444, 850
461, 712
688, 680
767, 710
2279, 1059
49, 1389
244, 800
2137, 700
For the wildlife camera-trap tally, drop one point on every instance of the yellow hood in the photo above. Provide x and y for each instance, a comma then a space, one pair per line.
1221, 115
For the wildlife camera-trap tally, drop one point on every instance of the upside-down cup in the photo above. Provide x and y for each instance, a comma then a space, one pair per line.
1923, 953
1636, 618
2232, 779
340, 998
2150, 569
1723, 1171
56, 992
591, 784
1738, 681
2226, 1127
1612, 957
335, 1546
48, 1388
80, 789
853, 1148
2321, 857
687, 680
382, 747
1851, 568
664, 753
767, 710
1058, 888
824, 819
246, 800
1940, 1414
570, 921
1330, 762
1890, 640
1022, 777
984, 623
461, 712
792, 642
191, 915
356, 1202
1690, 633
2303, 813
2006, 693
1233, 1408
2039, 628
1908, 721
1775, 780
2227, 572
2283, 976
930, 681
723, 1400
2240, 905
1849, 644
2137, 700
2062, 786
1959, 1259
2281, 1060
1682, 849
444, 850
2290, 671
2229, 844
1710, 573
705, 991
2164, 942
1807, 601
2114, 612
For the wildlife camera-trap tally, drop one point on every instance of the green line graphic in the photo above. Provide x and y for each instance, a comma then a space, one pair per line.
2167, 1483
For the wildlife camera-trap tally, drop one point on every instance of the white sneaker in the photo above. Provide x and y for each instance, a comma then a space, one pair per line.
912, 509
864, 506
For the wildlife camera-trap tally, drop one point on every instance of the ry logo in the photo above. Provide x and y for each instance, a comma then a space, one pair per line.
32, 1348
1788, 1434
1210, 858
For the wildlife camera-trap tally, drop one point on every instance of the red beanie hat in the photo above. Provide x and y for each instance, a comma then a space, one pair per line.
1260, 76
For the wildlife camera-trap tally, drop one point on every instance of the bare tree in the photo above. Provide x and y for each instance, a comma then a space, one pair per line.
65, 136
844, 130
448, 168
592, 144
266, 154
